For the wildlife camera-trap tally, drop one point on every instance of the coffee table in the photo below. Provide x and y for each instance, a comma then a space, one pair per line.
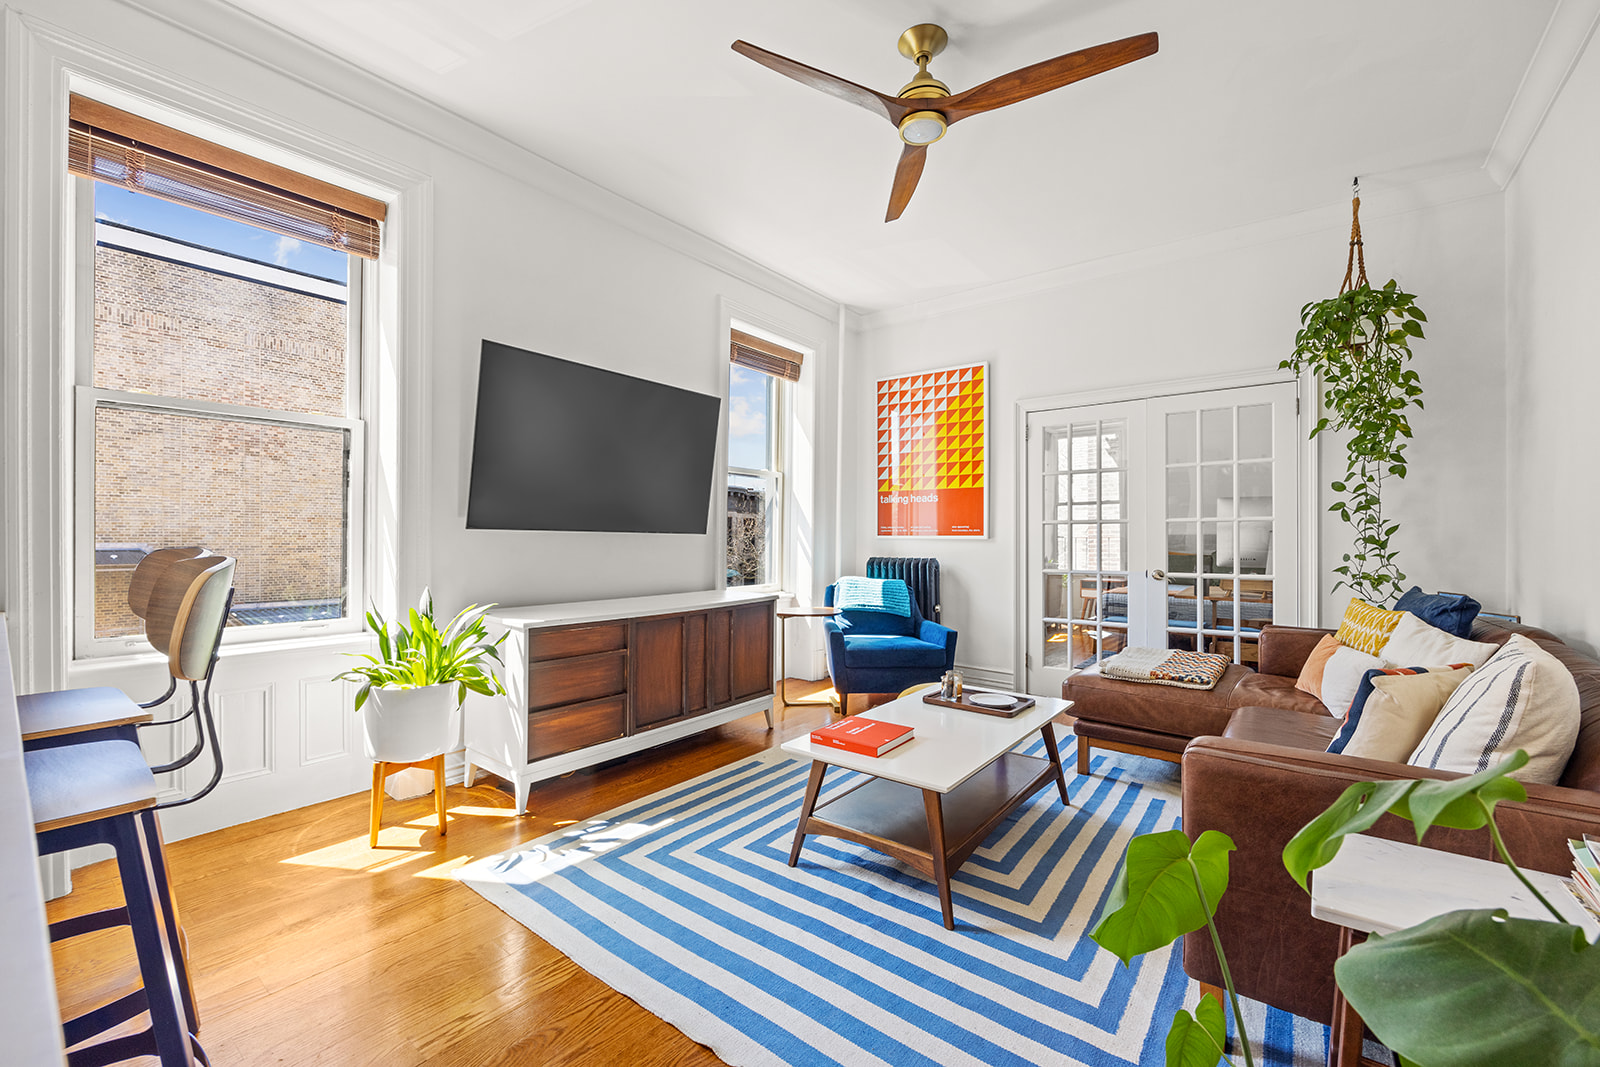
931, 802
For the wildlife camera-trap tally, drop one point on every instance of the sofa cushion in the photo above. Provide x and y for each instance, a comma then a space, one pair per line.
1451, 612
1157, 708
1279, 726
1417, 641
1341, 678
875, 650
1399, 712
1365, 627
1522, 698
1275, 691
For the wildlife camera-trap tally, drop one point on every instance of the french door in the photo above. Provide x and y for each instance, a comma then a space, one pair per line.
1170, 522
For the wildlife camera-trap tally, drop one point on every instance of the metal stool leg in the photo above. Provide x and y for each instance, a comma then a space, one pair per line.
156, 962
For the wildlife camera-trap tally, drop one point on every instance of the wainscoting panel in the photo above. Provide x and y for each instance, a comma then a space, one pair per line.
327, 725
245, 722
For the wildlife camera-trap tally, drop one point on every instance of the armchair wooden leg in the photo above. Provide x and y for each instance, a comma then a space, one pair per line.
438, 792
377, 801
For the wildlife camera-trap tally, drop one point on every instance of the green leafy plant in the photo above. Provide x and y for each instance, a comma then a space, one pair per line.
1493, 989
1358, 344
1164, 889
422, 653
1460, 990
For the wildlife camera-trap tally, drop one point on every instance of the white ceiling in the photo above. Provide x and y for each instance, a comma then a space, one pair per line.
1252, 109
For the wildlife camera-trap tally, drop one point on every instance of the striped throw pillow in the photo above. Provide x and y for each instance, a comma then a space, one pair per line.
1522, 698
1366, 627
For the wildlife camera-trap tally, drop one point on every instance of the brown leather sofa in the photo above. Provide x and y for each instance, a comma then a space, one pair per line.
1268, 774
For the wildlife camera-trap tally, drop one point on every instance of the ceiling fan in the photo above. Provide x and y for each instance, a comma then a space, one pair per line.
925, 107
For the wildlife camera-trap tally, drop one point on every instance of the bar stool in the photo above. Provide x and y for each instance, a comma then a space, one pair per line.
188, 608
96, 794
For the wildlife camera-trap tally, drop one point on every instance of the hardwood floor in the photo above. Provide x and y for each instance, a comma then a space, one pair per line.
307, 947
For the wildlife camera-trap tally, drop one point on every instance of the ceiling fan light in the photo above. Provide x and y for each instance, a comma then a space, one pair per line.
922, 127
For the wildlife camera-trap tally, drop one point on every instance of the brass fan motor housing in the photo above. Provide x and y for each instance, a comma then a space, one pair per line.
920, 44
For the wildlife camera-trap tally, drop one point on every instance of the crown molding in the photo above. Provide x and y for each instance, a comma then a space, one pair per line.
1379, 200
1566, 36
264, 44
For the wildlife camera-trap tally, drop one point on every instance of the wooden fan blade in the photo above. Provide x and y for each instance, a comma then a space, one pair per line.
1021, 84
889, 107
906, 176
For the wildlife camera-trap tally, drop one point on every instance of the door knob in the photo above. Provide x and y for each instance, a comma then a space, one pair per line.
1158, 574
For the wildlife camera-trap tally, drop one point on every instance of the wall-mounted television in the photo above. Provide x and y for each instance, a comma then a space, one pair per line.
560, 445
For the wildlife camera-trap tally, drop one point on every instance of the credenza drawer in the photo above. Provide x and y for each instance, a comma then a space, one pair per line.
578, 641
550, 733
568, 681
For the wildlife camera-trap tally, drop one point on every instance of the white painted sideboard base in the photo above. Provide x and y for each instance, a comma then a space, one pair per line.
609, 750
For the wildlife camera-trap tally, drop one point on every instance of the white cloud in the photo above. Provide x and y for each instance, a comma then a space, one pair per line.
744, 418
283, 249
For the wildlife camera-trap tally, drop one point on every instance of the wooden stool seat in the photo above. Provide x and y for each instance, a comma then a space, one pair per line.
80, 783
74, 711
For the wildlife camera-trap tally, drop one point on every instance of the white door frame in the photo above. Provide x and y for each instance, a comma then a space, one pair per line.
1308, 462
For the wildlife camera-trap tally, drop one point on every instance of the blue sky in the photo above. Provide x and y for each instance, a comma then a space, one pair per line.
115, 204
747, 418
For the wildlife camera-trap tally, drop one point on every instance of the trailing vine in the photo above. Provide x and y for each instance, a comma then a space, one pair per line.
1359, 344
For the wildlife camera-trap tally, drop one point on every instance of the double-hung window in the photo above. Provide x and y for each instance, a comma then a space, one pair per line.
758, 375
219, 384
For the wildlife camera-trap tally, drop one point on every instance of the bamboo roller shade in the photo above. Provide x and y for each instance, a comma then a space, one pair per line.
111, 145
762, 355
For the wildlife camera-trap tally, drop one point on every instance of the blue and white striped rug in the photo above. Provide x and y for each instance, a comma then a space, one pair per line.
684, 902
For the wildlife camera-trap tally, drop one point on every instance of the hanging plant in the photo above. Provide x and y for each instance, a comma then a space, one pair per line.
1358, 344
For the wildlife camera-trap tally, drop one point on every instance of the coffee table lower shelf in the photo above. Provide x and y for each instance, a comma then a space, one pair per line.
929, 831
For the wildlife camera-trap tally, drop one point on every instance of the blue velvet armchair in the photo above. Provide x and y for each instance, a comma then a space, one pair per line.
880, 652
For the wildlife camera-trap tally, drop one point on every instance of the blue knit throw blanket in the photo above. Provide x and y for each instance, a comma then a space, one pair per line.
873, 594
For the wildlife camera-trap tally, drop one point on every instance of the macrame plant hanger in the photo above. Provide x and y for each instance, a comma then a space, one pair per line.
1357, 262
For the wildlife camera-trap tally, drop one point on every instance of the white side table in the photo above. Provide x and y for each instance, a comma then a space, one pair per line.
1374, 886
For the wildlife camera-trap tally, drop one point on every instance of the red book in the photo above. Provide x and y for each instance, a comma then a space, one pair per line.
866, 737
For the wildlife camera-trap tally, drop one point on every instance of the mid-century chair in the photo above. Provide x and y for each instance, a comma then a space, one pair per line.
881, 652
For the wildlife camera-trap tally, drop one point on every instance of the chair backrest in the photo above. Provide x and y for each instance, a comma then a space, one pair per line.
189, 608
874, 622
147, 576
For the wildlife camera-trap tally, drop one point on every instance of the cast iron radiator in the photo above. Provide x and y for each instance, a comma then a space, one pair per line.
921, 574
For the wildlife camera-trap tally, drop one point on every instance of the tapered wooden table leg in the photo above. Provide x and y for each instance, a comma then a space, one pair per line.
438, 792
377, 800
1049, 732
1344, 1042
933, 802
813, 787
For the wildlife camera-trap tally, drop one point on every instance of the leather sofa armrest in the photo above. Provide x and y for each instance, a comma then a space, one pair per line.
935, 634
1260, 795
1285, 649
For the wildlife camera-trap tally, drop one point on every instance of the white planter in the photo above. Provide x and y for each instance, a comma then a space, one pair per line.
411, 725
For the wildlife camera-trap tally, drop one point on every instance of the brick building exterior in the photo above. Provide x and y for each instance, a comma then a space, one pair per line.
272, 496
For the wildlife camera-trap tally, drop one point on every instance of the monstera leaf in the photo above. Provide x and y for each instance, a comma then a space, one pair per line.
1156, 899
1197, 1040
1474, 987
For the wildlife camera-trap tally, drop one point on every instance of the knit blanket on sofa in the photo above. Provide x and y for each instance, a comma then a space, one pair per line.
1162, 666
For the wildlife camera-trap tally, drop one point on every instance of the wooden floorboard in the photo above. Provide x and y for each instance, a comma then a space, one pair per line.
307, 947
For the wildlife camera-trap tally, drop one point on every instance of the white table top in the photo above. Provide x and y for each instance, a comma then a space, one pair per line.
540, 616
1379, 886
950, 745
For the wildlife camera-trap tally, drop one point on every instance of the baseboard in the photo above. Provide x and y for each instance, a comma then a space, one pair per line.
989, 676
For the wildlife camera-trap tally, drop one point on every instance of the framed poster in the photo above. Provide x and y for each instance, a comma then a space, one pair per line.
933, 444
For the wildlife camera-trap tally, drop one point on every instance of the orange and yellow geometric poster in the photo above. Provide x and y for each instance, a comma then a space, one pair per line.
932, 452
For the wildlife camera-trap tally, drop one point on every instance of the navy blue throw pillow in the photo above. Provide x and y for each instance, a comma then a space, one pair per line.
1451, 612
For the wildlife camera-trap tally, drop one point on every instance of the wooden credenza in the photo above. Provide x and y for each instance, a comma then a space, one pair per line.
591, 681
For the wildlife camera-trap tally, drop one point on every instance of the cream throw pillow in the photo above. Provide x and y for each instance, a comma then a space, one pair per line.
1420, 644
1399, 712
1522, 698
1342, 677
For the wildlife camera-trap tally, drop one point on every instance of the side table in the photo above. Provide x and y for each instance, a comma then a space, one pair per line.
784, 615
1374, 886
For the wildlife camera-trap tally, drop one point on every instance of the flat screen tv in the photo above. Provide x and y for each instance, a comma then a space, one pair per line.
563, 446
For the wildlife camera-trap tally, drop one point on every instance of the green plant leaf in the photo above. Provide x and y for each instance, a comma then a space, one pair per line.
1197, 1040
1357, 808
1455, 802
1476, 987
1154, 900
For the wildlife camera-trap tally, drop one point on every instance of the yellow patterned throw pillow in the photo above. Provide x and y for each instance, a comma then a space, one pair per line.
1366, 627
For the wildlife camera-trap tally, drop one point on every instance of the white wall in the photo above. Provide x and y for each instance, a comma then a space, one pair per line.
1553, 366
1221, 312
521, 253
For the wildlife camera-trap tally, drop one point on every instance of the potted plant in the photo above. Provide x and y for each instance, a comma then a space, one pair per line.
1358, 344
413, 687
